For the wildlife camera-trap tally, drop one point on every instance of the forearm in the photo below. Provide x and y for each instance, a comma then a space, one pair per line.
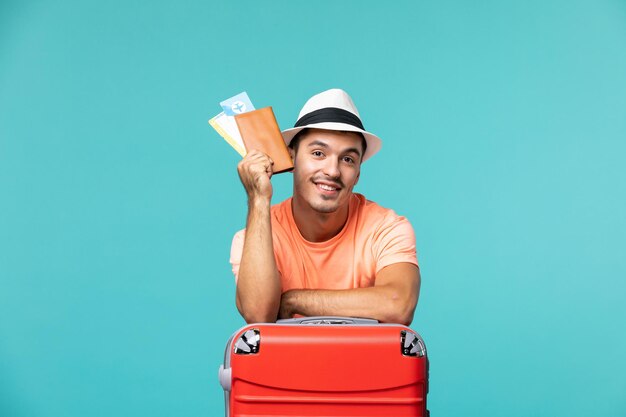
384, 303
258, 284
391, 300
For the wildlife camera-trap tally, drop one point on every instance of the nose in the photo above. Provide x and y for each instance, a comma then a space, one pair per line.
331, 168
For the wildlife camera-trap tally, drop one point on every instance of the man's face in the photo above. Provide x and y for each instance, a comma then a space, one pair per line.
327, 165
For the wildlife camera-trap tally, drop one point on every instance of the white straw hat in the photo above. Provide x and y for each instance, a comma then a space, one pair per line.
333, 110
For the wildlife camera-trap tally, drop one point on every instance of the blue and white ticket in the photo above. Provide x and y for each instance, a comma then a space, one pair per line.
237, 104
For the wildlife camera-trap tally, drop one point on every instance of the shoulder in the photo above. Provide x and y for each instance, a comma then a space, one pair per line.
372, 212
379, 222
390, 235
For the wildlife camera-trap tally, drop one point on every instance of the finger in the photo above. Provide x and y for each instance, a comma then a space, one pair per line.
255, 153
269, 171
259, 154
253, 159
260, 162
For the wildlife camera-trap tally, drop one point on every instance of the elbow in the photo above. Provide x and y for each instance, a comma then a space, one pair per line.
406, 315
406, 319
400, 310
400, 317
257, 313
258, 317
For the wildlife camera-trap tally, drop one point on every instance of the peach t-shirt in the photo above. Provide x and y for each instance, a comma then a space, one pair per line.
372, 238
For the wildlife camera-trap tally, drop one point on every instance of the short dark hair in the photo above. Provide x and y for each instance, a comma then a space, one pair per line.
295, 142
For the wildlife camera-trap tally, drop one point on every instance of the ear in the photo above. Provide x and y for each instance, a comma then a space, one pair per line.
357, 177
292, 153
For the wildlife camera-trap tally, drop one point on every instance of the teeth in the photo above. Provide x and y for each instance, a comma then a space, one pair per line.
326, 187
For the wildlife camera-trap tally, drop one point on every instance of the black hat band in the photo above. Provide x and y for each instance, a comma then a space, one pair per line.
330, 115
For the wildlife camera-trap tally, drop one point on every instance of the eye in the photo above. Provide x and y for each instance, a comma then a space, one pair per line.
318, 154
348, 159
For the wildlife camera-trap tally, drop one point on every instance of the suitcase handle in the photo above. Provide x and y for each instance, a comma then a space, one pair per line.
317, 320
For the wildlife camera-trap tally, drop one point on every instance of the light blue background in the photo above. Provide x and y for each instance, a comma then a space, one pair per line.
504, 128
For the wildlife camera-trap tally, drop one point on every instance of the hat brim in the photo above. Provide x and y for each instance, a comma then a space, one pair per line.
373, 142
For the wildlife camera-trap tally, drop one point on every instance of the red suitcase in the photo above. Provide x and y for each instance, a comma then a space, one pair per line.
325, 366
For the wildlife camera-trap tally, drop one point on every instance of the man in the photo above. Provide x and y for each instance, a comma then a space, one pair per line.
326, 250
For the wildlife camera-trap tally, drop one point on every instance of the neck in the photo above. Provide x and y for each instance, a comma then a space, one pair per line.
315, 226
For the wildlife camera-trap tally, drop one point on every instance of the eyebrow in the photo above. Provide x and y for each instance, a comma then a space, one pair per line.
325, 146
317, 143
353, 150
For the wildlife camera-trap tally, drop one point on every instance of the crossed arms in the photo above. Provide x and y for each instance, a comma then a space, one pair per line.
391, 300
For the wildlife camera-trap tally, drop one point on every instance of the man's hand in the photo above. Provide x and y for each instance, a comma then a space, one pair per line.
287, 304
255, 171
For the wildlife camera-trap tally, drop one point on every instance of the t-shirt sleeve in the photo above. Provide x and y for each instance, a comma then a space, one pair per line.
394, 242
236, 249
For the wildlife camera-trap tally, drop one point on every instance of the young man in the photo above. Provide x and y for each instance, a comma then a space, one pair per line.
326, 250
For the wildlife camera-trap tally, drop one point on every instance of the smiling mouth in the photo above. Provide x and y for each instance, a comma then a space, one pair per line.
326, 188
